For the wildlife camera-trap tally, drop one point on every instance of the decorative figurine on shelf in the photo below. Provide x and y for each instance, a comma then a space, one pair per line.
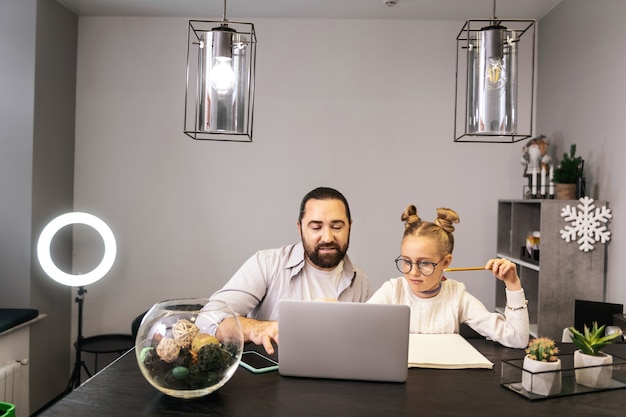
535, 155
536, 159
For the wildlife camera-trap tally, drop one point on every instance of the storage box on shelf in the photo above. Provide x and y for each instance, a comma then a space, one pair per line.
555, 276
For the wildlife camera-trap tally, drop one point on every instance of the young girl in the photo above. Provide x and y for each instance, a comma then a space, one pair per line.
439, 305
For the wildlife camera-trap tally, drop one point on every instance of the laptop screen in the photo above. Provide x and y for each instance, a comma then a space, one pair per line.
586, 312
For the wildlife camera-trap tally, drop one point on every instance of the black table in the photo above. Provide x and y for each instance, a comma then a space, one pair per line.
120, 389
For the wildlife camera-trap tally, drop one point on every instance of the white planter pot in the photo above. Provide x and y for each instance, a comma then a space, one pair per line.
547, 383
597, 377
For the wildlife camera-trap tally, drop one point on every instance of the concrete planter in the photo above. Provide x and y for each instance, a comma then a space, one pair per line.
538, 382
599, 375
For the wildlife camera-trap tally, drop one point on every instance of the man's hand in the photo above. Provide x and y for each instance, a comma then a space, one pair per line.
260, 332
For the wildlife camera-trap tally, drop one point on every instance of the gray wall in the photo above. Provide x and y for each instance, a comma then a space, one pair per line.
581, 90
38, 66
17, 84
53, 191
364, 106
355, 106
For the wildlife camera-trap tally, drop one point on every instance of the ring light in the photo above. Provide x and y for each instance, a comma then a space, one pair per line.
50, 268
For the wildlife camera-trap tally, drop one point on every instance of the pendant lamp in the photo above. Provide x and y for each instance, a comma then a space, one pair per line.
495, 80
219, 98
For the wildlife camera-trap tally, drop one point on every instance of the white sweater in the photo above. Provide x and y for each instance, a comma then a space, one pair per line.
453, 305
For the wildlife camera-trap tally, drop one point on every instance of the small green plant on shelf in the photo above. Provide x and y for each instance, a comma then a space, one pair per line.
590, 342
570, 168
542, 349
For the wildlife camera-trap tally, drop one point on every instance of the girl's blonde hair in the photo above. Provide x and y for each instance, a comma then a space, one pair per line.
439, 231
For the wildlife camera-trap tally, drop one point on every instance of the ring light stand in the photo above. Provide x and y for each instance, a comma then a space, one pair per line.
81, 280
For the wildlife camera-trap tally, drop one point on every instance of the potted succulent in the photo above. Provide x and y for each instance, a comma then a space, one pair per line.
566, 175
541, 367
590, 363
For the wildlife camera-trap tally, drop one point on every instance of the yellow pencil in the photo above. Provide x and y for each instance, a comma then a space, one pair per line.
471, 268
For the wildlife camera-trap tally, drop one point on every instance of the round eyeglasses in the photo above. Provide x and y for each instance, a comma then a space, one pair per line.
425, 268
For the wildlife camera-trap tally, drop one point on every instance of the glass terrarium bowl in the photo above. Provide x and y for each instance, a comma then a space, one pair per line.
179, 351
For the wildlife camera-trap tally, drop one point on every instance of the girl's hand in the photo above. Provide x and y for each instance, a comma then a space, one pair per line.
505, 271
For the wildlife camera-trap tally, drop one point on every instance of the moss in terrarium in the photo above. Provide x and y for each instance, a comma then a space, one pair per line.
190, 370
184, 358
213, 357
232, 349
144, 353
154, 364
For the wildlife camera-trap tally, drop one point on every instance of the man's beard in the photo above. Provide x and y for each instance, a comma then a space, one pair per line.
326, 260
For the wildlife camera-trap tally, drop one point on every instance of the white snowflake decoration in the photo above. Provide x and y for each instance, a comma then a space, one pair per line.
586, 224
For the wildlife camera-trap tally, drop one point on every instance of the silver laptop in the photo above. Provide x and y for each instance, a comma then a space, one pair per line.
343, 340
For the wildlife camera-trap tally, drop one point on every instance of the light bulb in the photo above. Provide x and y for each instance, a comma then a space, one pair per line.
496, 73
222, 75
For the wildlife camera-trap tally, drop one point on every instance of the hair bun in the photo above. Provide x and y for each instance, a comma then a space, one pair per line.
409, 216
446, 218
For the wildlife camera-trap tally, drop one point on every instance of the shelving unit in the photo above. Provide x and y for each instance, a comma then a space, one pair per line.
560, 274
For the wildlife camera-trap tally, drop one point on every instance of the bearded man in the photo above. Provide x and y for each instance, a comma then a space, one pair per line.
317, 268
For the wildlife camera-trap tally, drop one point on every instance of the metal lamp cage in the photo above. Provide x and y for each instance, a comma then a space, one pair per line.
489, 107
218, 110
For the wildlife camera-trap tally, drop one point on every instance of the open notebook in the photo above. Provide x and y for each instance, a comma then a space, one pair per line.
444, 351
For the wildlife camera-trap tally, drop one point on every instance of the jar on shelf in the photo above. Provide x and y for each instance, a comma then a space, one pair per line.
531, 250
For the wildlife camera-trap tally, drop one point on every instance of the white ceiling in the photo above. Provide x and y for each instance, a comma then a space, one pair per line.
330, 9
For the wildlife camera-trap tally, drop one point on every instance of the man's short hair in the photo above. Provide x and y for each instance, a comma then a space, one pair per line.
324, 193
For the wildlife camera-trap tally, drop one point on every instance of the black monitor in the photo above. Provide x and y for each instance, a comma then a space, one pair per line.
586, 312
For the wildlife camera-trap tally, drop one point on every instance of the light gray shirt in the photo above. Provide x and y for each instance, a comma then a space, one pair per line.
274, 274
